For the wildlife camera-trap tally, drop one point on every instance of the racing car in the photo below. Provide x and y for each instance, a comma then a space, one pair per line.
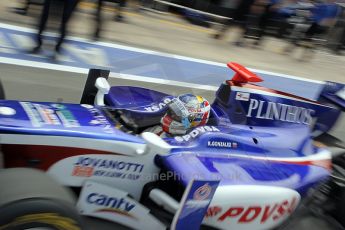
249, 167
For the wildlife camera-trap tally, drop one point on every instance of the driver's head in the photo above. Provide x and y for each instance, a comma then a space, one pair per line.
184, 112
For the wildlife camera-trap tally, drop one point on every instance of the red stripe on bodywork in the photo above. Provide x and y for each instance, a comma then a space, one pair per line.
326, 163
39, 156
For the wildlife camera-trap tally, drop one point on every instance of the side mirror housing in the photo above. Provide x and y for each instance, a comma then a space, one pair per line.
155, 144
103, 88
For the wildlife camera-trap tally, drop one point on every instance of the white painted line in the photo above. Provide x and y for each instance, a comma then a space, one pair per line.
41, 65
48, 66
162, 54
287, 76
191, 9
163, 81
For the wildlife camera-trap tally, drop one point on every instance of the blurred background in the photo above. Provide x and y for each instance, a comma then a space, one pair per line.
177, 46
302, 38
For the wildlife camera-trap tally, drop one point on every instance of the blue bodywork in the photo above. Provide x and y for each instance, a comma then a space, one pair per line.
242, 136
251, 133
70, 120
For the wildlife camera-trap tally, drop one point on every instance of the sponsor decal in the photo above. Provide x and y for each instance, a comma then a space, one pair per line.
55, 114
221, 144
195, 110
67, 118
99, 119
40, 114
111, 204
88, 166
248, 214
32, 114
47, 114
213, 211
159, 106
203, 192
194, 204
241, 96
278, 111
196, 132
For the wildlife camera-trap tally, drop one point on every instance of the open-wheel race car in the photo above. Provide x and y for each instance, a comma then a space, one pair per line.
249, 167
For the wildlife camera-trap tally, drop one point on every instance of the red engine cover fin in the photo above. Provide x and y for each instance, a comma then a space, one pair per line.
242, 74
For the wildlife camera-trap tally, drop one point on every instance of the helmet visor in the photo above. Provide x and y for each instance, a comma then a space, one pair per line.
178, 112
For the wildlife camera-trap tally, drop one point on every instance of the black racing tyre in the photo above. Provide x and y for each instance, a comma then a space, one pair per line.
39, 213
30, 199
25, 183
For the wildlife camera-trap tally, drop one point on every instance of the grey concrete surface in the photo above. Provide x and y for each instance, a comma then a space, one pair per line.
27, 83
169, 33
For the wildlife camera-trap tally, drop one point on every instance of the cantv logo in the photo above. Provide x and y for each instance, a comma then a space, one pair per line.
111, 204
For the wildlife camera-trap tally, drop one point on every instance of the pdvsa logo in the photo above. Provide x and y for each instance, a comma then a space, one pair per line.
240, 214
196, 132
112, 205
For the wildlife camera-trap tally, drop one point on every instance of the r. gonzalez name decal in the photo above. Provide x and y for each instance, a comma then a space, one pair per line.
278, 111
221, 144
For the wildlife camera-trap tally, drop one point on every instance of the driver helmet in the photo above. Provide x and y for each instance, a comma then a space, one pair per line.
185, 112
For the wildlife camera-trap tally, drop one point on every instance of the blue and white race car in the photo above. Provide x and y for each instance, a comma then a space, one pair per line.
249, 167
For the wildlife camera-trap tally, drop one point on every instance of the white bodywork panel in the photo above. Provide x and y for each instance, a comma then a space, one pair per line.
127, 173
251, 207
106, 202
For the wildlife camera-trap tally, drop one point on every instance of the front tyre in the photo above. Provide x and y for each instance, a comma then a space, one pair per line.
31, 199
39, 213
